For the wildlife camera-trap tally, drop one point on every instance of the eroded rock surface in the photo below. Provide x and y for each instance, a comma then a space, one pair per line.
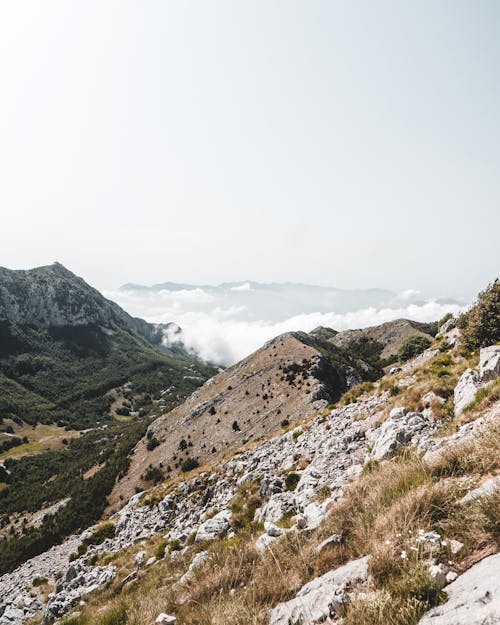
473, 598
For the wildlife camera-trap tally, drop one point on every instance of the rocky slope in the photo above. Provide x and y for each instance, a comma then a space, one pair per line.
259, 516
291, 377
385, 338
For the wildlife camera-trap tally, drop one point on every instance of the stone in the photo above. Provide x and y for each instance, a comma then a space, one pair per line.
438, 573
214, 527
398, 412
299, 520
465, 390
140, 557
150, 561
263, 542
489, 363
130, 578
71, 573
473, 598
279, 505
334, 539
451, 576
394, 434
200, 558
323, 597
455, 546
165, 619
273, 530
485, 490
448, 326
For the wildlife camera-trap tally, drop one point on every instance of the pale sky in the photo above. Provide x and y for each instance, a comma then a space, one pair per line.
353, 144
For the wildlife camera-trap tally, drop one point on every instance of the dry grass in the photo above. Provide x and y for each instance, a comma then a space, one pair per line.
380, 514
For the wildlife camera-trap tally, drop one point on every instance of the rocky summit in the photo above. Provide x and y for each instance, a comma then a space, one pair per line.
301, 486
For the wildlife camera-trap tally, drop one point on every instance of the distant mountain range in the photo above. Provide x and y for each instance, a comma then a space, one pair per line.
277, 301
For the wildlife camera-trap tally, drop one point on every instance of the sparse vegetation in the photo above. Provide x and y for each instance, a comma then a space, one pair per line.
413, 346
189, 464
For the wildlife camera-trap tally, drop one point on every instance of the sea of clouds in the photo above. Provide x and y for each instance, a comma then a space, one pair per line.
224, 334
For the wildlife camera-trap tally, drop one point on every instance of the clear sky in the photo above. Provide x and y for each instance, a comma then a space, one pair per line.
354, 144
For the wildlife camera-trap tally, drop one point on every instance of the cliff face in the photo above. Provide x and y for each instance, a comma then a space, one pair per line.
53, 296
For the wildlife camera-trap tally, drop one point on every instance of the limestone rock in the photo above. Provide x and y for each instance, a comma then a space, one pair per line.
473, 598
486, 489
263, 542
273, 530
448, 326
323, 597
214, 527
465, 390
394, 434
438, 573
199, 559
489, 363
165, 619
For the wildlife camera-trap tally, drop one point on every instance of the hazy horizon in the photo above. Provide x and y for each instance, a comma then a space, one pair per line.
225, 323
331, 143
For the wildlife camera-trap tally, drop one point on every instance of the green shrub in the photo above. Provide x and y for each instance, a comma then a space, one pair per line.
153, 443
189, 464
291, 481
154, 474
480, 325
413, 346
107, 530
160, 550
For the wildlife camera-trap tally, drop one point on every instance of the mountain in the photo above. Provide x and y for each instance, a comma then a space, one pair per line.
273, 301
378, 345
381, 508
67, 353
291, 377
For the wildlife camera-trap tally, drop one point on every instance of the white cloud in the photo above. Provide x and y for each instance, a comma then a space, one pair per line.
409, 294
246, 286
224, 335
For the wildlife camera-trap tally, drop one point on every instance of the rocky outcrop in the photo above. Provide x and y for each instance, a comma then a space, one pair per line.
473, 598
399, 430
486, 489
290, 378
471, 381
322, 598
214, 527
465, 390
489, 363
80, 580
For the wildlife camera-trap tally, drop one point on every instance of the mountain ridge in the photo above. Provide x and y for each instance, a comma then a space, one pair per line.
64, 347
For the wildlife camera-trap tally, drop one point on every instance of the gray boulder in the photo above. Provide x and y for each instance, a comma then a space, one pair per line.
485, 490
465, 390
323, 597
489, 363
396, 433
473, 598
214, 527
